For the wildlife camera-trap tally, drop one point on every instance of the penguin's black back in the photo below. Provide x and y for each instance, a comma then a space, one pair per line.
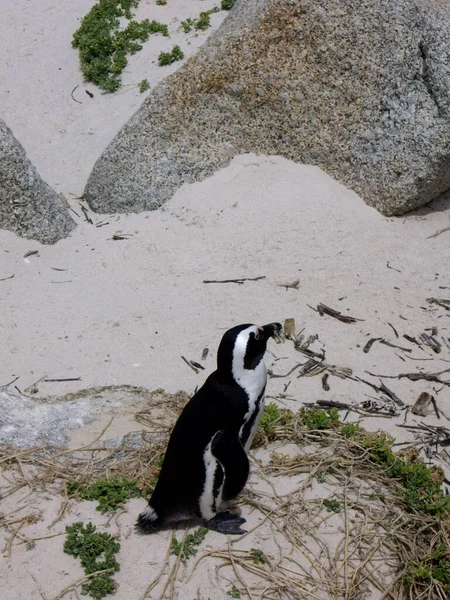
219, 405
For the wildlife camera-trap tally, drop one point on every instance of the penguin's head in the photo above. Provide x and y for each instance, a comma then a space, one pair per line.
243, 346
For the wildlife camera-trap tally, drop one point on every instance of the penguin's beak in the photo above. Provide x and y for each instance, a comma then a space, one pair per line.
274, 330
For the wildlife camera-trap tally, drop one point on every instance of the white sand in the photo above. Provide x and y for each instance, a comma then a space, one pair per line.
123, 312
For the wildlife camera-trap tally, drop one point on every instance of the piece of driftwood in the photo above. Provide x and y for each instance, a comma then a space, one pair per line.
205, 353
278, 375
425, 376
289, 328
62, 379
293, 285
323, 309
303, 346
239, 280
72, 96
386, 343
341, 372
423, 405
370, 343
438, 232
383, 388
189, 365
431, 342
310, 368
434, 377
197, 365
393, 268
440, 302
358, 408
412, 340
394, 330
86, 215
120, 236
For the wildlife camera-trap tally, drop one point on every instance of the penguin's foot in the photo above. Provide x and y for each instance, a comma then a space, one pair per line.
148, 521
227, 523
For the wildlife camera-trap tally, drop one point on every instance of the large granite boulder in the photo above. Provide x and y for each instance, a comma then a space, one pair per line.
360, 89
28, 206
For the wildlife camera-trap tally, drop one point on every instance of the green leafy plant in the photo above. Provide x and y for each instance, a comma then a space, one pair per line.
227, 4
191, 543
269, 418
420, 486
234, 592
320, 477
103, 46
161, 2
435, 566
320, 419
258, 556
273, 419
110, 493
167, 58
144, 86
332, 505
349, 430
96, 552
187, 25
204, 19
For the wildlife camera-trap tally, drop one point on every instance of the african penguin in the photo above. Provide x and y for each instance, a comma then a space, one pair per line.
206, 463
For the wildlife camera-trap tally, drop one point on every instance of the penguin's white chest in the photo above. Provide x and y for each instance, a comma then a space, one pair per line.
253, 382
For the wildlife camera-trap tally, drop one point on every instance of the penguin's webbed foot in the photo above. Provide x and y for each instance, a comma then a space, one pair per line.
148, 522
227, 523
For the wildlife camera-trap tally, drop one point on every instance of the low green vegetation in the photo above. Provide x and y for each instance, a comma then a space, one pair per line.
227, 4
201, 23
320, 477
418, 488
104, 46
435, 566
167, 58
273, 417
204, 19
187, 25
258, 556
234, 592
332, 505
111, 494
349, 430
97, 552
144, 86
190, 546
320, 419
161, 2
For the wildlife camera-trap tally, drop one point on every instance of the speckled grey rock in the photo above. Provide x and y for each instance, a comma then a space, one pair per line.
359, 89
28, 206
26, 421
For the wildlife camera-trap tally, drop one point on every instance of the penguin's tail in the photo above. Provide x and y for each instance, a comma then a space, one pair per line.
148, 521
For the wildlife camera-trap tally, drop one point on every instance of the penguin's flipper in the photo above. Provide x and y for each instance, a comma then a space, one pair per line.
227, 523
228, 450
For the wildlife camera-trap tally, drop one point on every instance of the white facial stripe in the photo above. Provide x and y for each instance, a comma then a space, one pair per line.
208, 504
252, 381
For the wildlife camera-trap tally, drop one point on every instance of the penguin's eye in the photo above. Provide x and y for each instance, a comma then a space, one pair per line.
259, 334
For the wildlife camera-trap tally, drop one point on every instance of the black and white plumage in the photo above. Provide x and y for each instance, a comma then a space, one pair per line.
206, 463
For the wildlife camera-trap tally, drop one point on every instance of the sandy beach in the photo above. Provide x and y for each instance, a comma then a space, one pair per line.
124, 298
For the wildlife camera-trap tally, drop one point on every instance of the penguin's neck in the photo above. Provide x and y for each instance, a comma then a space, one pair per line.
253, 381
